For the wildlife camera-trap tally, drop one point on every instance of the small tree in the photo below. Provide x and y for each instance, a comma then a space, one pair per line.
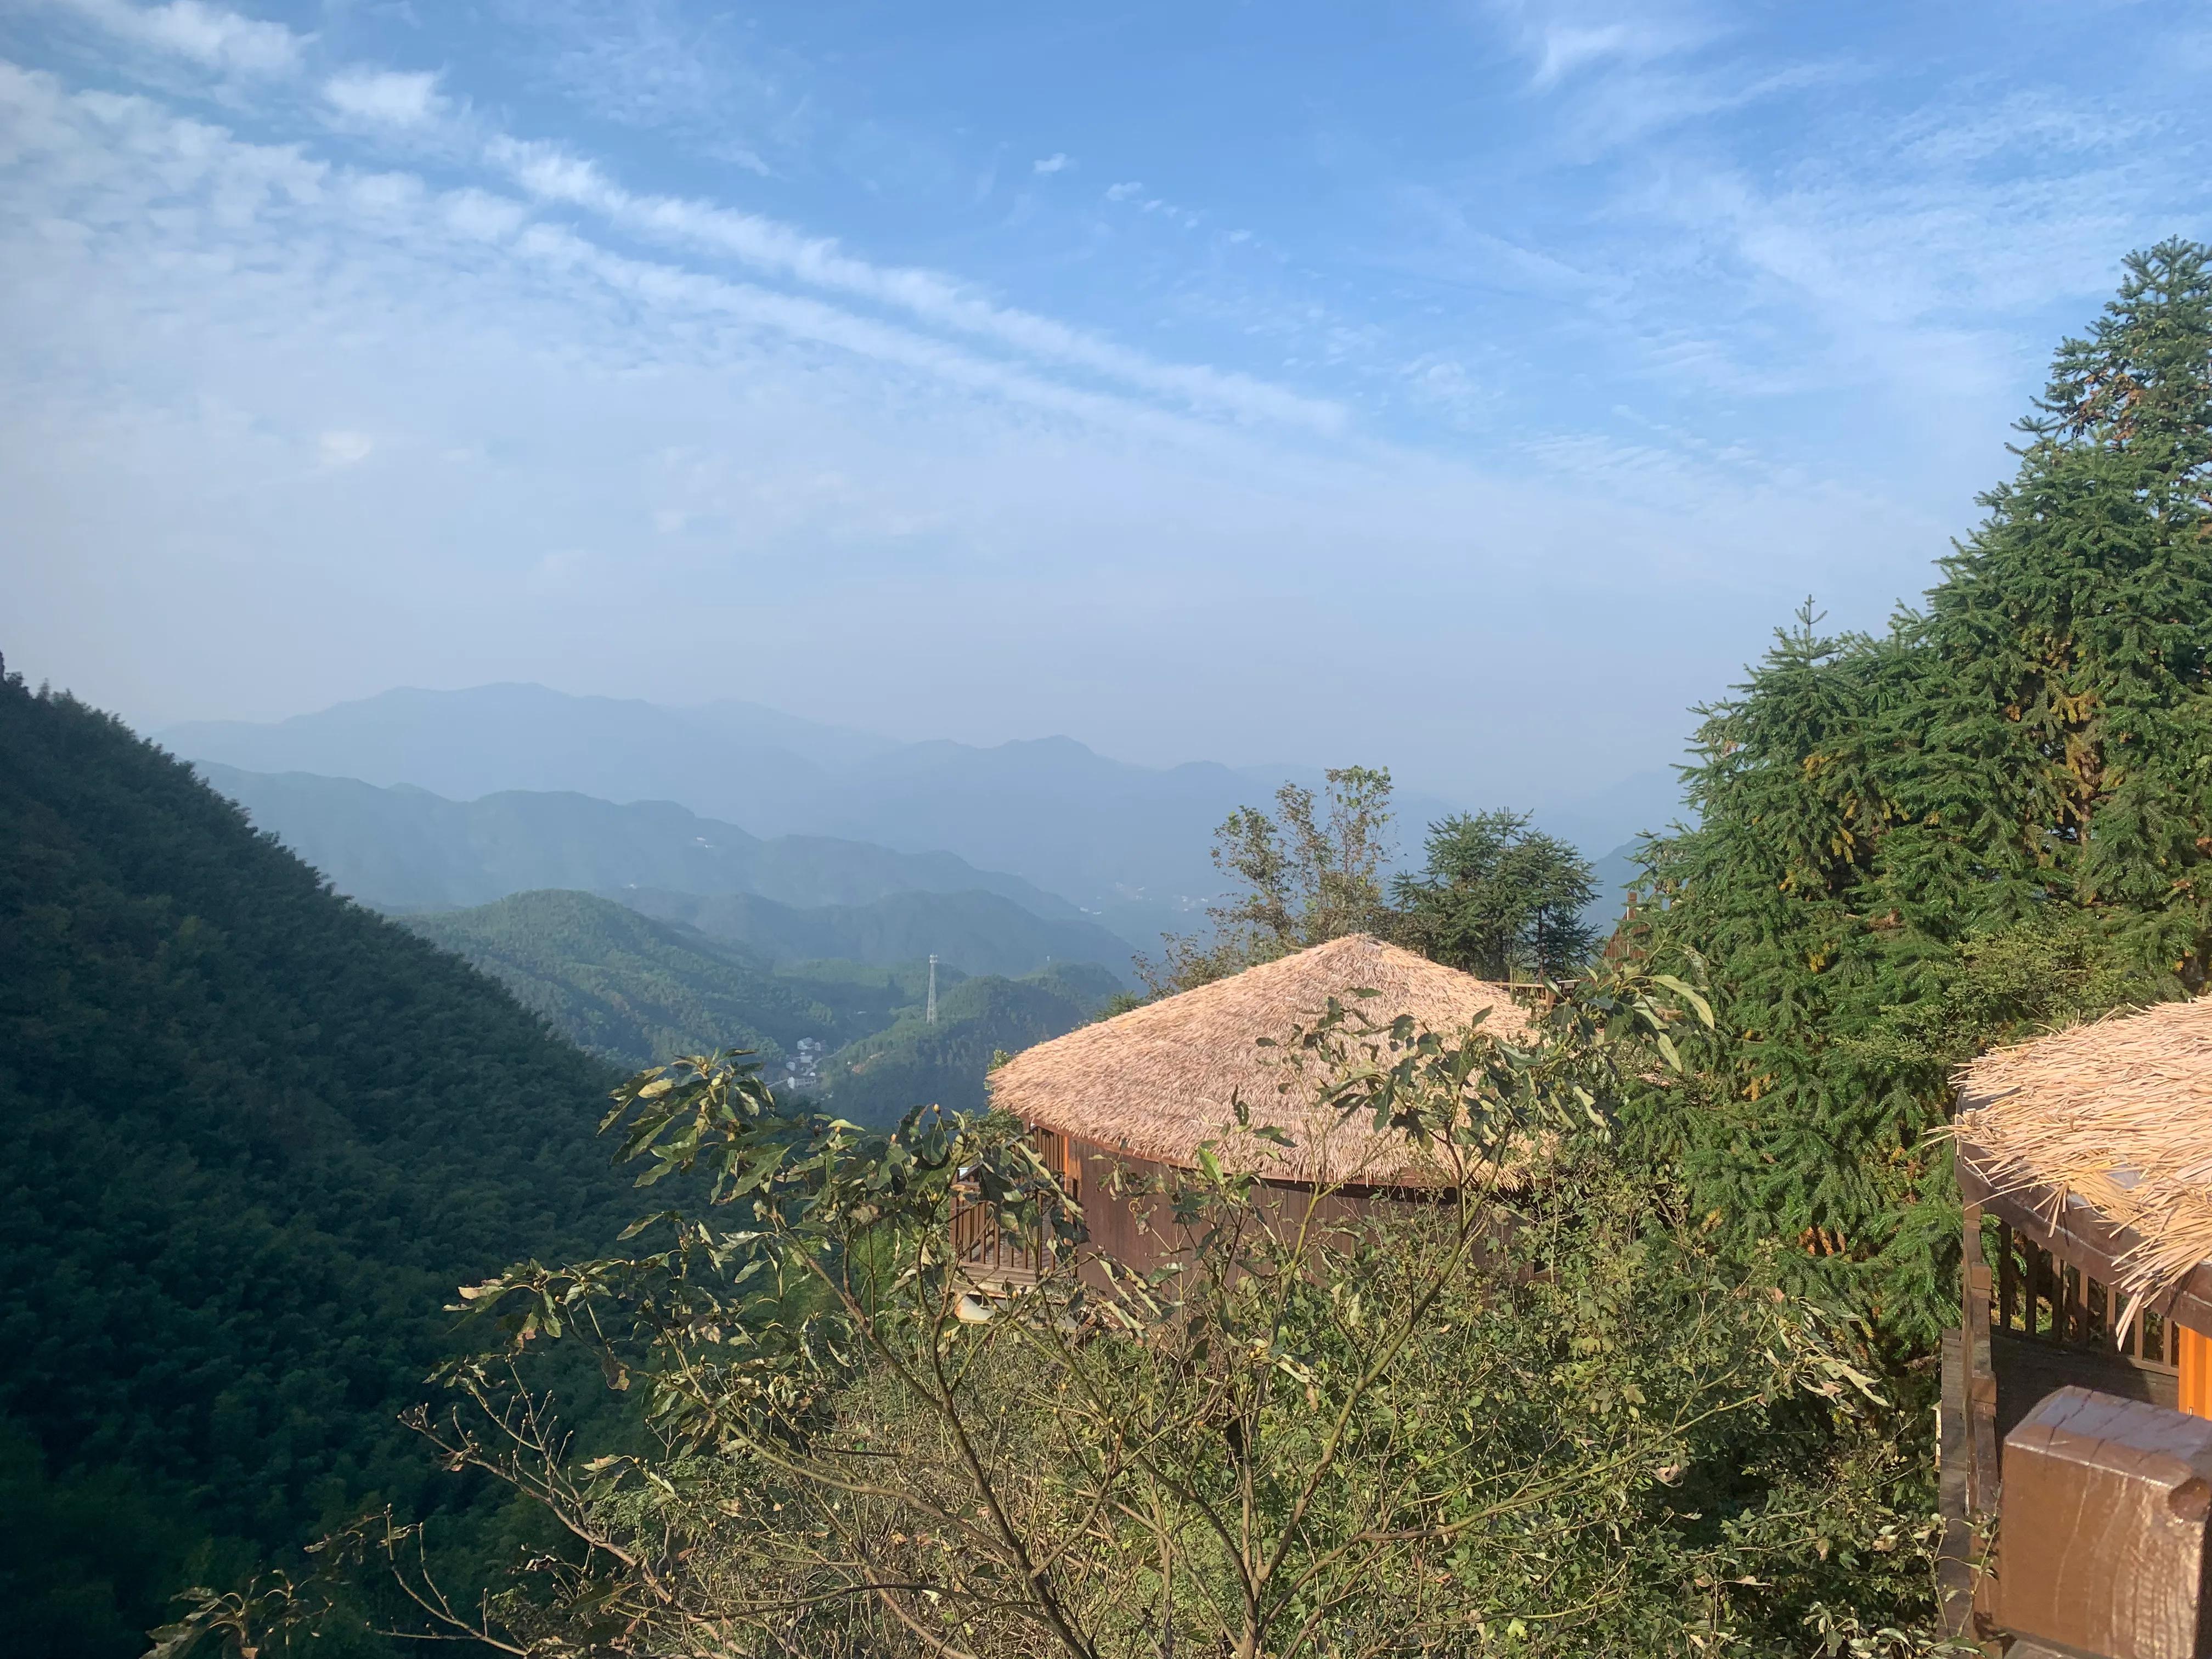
1305, 879
1500, 899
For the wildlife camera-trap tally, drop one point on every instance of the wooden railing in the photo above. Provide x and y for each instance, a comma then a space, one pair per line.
2039, 1295
985, 1248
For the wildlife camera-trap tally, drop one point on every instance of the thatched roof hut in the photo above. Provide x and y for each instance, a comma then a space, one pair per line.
2106, 1127
1153, 1083
2091, 1150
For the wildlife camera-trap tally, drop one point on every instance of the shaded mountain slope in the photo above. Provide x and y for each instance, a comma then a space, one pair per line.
255, 1136
632, 989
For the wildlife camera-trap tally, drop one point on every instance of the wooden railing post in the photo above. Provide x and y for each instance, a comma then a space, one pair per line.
2102, 1537
1981, 1380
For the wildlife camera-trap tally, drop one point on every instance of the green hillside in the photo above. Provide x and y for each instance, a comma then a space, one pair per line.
625, 986
914, 1063
980, 933
255, 1135
866, 997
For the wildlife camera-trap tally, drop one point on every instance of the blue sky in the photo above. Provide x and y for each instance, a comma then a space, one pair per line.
1470, 387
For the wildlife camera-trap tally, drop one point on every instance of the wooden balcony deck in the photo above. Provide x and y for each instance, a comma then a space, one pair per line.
996, 1262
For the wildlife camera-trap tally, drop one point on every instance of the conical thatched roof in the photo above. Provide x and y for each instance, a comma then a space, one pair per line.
2117, 1113
1157, 1080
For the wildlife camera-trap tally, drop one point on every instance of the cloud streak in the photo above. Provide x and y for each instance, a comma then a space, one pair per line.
552, 174
1577, 343
208, 35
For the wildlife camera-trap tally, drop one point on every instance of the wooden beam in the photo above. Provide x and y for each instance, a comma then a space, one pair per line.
2077, 1231
1980, 1376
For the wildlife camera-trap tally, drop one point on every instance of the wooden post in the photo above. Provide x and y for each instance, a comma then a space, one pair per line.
2039, 1276
2008, 1278
2102, 1550
1981, 1381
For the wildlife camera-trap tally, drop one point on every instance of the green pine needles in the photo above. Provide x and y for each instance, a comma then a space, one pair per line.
1994, 818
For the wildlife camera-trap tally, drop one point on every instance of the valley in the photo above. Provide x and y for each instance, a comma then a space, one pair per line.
636, 992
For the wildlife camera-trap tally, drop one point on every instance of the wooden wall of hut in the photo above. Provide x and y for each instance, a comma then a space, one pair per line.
1139, 1230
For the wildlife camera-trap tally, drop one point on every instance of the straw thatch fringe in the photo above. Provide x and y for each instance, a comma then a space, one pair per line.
1156, 1081
2119, 1113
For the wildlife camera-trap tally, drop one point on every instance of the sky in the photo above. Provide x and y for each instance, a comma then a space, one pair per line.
1468, 387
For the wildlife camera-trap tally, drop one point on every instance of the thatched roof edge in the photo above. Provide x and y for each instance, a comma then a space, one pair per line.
2116, 1113
1156, 1081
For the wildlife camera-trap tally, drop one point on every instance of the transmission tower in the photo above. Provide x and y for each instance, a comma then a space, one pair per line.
929, 1014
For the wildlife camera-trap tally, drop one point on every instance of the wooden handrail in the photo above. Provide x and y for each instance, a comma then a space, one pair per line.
2043, 1297
983, 1246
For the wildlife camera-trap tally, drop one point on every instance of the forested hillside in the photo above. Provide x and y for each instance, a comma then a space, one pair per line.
255, 1136
631, 989
878, 1079
979, 933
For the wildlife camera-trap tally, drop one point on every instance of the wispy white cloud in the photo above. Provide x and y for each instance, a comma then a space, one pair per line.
386, 97
1561, 39
1056, 162
274, 192
209, 35
1908, 259
1561, 49
656, 64
559, 572
366, 93
1130, 193
551, 173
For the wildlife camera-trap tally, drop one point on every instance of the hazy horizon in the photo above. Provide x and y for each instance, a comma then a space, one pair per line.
1289, 764
1469, 388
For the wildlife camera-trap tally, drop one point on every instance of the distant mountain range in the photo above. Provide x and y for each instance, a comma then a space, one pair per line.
724, 761
399, 847
1129, 845
403, 849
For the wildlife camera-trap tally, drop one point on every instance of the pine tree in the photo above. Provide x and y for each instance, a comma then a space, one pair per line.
1498, 899
1997, 816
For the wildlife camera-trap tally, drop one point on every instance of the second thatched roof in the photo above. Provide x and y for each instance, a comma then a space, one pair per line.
2117, 1113
1156, 1081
